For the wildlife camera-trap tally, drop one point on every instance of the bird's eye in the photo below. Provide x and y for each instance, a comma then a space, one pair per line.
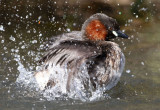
110, 28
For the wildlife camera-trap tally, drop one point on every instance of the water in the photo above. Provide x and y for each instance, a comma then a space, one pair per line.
23, 44
138, 87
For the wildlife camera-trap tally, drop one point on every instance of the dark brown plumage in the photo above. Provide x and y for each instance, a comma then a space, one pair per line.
84, 56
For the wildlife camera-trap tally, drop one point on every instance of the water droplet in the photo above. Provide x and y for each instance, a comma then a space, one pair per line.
128, 71
12, 38
34, 30
59, 29
68, 30
2, 41
40, 34
118, 98
39, 17
28, 31
9, 23
143, 9
9, 91
142, 63
23, 46
119, 13
1, 28
26, 16
5, 48
30, 14
16, 50
74, 24
53, 18
130, 20
34, 41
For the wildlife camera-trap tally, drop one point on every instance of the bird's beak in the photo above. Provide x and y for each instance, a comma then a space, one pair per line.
119, 34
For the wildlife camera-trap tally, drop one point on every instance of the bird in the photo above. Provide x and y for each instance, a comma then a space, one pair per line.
85, 59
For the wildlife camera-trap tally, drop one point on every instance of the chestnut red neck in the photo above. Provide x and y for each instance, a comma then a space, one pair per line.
96, 30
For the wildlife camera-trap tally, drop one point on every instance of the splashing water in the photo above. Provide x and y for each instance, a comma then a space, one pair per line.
27, 80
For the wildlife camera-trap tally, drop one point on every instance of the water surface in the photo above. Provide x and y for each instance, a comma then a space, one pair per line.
21, 47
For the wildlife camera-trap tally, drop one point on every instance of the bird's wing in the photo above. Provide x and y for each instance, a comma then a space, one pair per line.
69, 51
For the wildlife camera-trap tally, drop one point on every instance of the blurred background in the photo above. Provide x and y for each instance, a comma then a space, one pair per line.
26, 26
